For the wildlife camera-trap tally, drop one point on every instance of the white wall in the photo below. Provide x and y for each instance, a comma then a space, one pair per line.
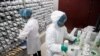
56, 4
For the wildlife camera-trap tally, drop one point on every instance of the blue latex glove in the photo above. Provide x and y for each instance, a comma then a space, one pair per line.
64, 48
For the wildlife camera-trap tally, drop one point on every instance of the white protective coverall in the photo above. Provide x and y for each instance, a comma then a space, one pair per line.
55, 35
30, 32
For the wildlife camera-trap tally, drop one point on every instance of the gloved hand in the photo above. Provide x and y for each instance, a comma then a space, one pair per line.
75, 40
22, 35
64, 48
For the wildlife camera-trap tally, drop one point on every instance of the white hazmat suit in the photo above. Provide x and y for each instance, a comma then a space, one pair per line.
31, 32
55, 35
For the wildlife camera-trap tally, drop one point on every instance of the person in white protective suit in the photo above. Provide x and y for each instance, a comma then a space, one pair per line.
30, 33
55, 34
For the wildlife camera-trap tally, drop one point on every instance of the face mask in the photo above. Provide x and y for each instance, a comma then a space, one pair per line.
62, 20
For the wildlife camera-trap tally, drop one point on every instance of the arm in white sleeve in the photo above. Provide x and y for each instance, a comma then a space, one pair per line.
50, 41
68, 36
24, 33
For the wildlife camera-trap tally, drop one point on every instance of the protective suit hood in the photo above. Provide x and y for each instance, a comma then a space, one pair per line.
55, 16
